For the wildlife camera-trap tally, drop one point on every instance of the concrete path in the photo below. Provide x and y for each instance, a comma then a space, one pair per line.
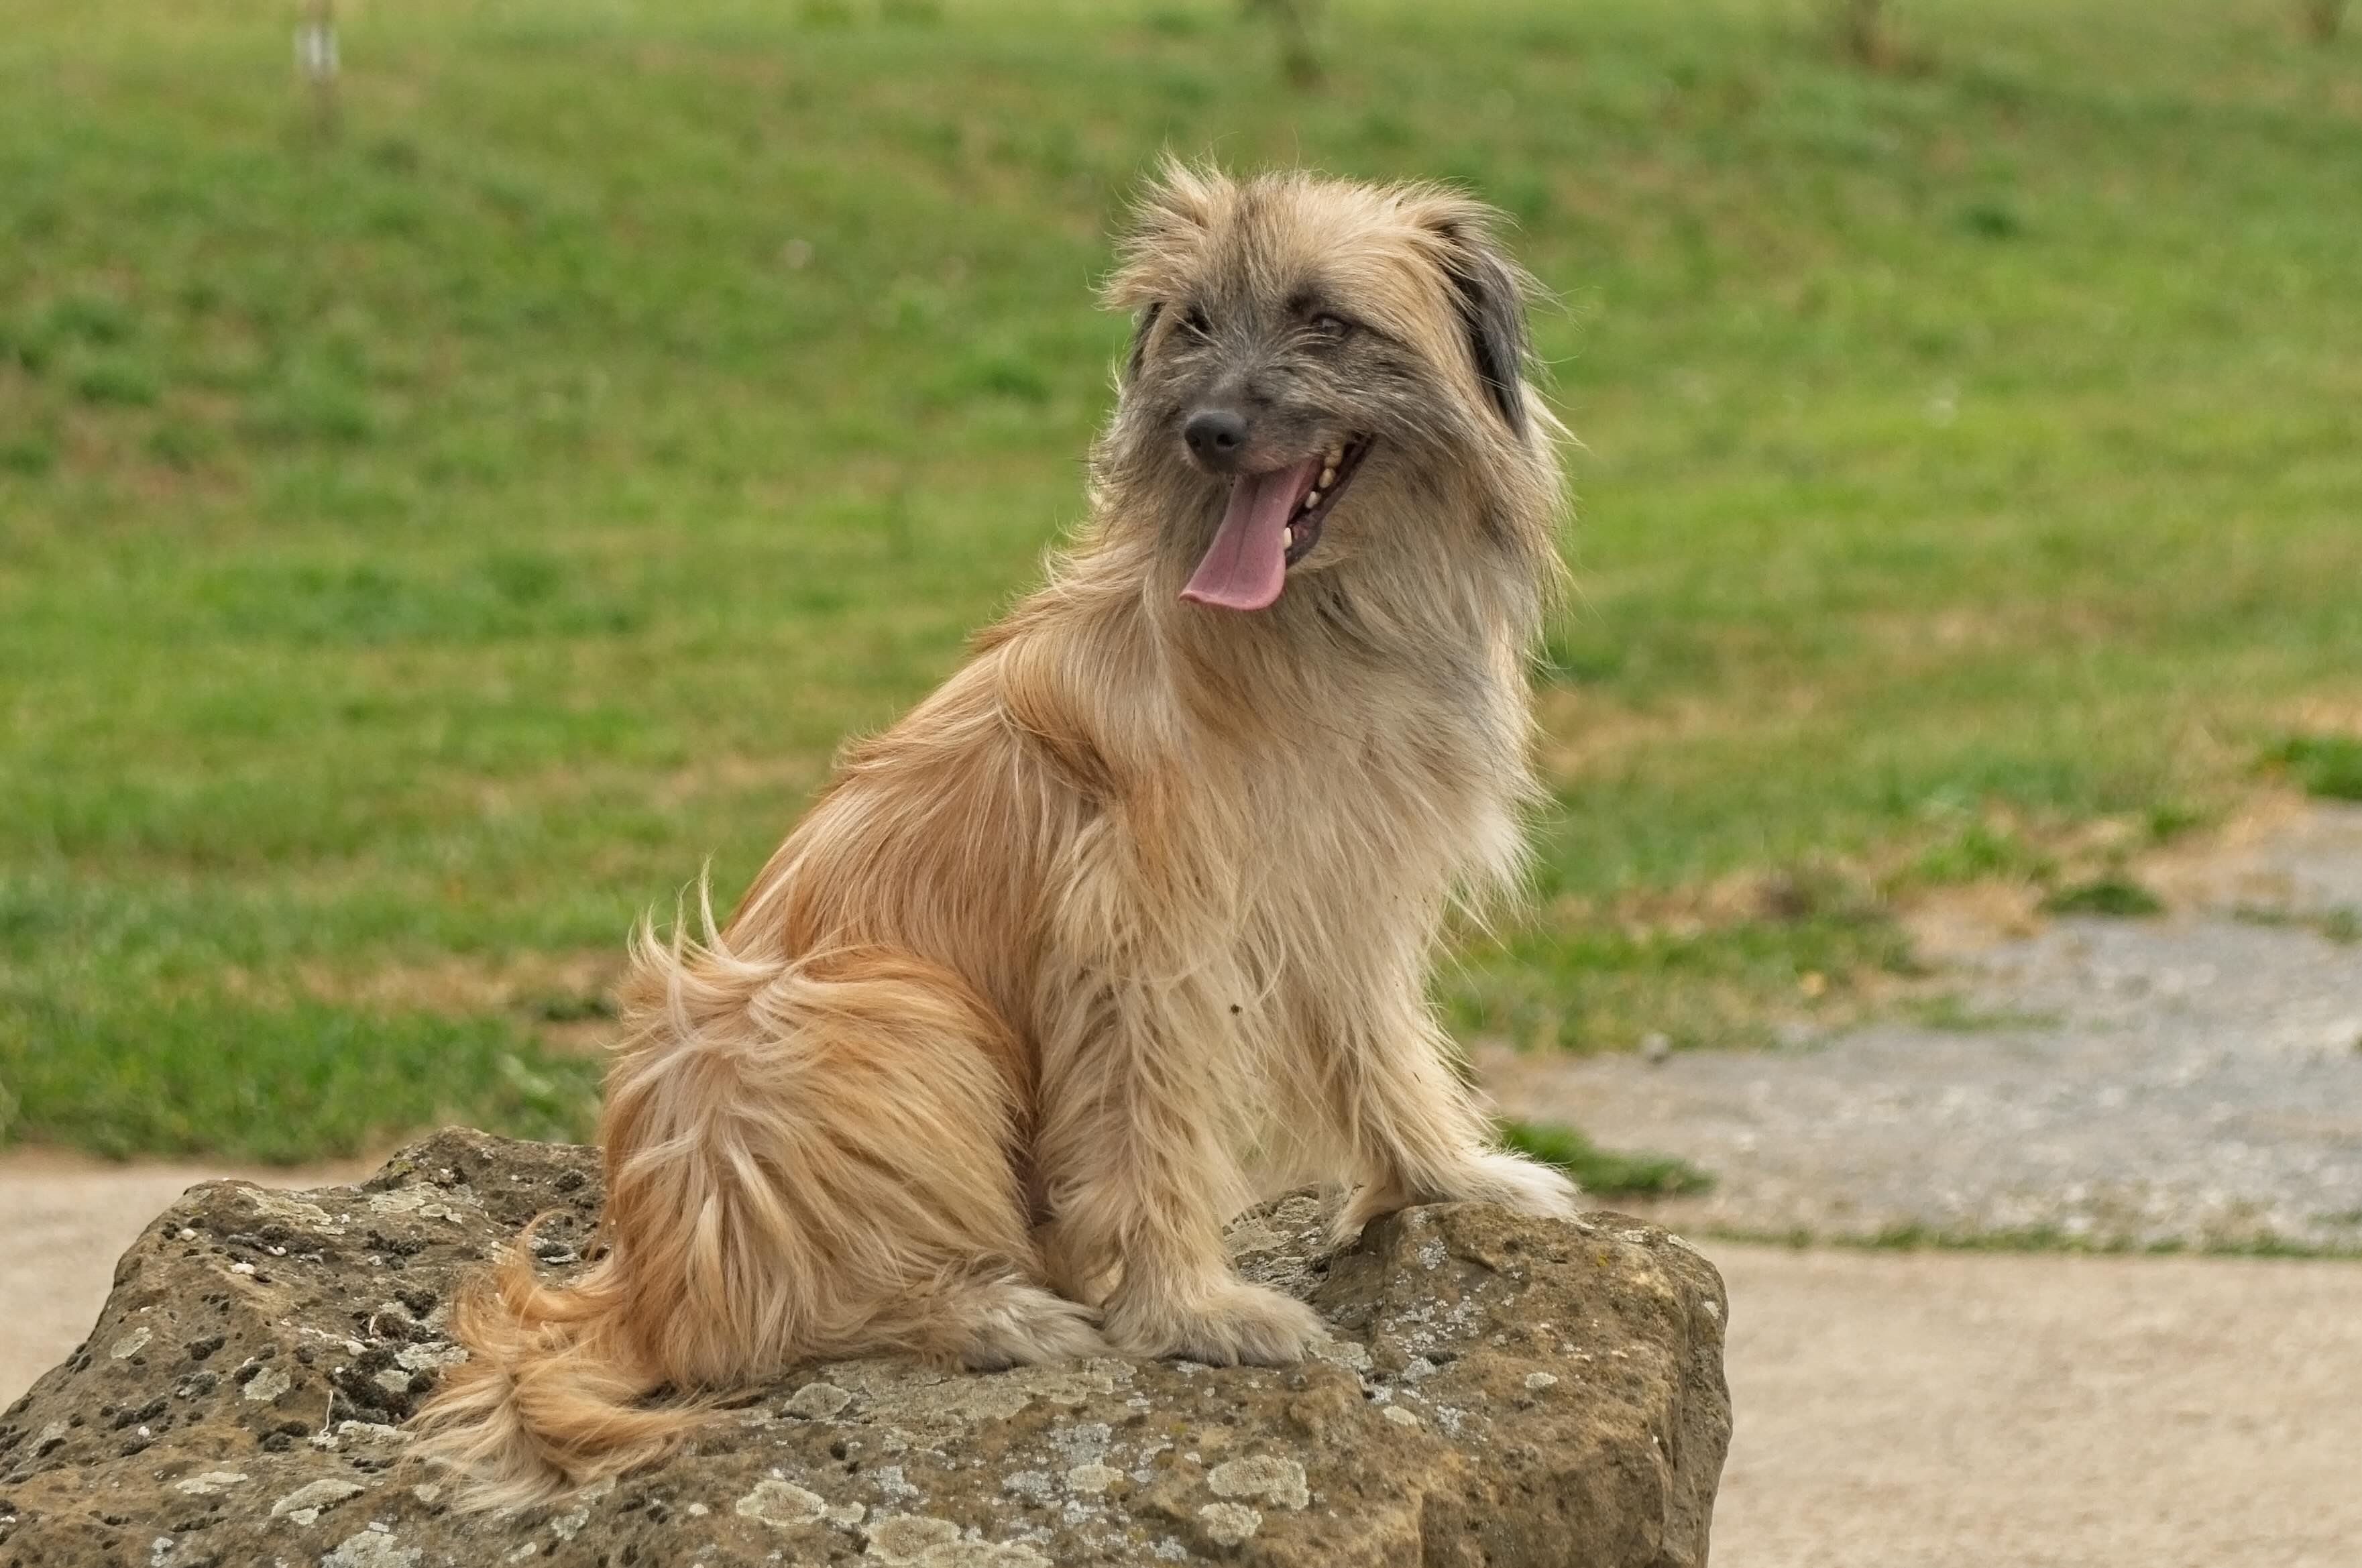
2035, 1410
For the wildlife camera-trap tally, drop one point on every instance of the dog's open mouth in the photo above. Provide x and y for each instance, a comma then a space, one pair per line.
1271, 523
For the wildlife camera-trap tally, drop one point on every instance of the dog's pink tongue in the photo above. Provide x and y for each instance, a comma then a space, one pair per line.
1246, 566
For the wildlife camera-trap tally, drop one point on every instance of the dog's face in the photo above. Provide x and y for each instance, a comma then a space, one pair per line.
1303, 345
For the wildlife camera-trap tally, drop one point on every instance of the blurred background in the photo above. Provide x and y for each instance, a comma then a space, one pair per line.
443, 505
463, 466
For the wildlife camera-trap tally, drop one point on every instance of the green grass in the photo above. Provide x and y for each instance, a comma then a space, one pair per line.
284, 1082
2340, 924
2115, 895
1954, 1014
1913, 1237
1591, 984
420, 551
1604, 1173
2327, 766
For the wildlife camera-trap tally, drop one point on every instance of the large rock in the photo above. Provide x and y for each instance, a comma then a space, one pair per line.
1500, 1392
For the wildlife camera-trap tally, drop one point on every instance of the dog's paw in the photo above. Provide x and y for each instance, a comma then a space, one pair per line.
1240, 1323
1022, 1325
1494, 1176
1371, 1200
1517, 1184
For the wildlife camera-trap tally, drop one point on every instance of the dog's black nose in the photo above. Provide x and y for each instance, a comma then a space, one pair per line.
1219, 436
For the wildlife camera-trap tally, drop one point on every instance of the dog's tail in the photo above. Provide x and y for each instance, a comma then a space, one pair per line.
556, 1389
552, 1395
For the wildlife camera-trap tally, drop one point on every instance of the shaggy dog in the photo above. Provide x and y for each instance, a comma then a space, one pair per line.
1151, 884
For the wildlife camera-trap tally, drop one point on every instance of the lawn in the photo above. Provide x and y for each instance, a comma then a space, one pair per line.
423, 546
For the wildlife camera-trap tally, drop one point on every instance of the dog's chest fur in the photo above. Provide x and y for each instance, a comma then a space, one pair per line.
1399, 790
1362, 796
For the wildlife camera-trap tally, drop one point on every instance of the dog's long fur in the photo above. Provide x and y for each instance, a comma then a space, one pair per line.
1146, 885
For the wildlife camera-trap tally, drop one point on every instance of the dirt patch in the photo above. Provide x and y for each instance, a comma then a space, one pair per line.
1958, 923
1583, 734
567, 999
2282, 852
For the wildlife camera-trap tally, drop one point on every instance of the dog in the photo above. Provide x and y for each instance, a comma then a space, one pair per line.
1150, 888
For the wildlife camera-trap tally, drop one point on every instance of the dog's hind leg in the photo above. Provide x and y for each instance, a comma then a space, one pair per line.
826, 1169
805, 1158
1003, 1320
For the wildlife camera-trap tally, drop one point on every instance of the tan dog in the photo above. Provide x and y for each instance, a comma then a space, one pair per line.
1155, 880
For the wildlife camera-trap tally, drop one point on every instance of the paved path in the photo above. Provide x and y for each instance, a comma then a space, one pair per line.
2034, 1410
2195, 1079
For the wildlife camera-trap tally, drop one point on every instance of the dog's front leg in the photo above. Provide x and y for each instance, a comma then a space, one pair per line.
1415, 1131
1140, 1174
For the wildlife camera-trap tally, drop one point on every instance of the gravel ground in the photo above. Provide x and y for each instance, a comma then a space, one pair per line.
2195, 1079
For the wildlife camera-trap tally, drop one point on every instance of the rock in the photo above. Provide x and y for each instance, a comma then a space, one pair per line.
1499, 1391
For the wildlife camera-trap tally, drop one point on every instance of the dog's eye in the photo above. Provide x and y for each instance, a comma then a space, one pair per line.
1196, 325
1331, 327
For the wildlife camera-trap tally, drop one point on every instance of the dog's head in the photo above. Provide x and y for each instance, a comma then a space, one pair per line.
1307, 351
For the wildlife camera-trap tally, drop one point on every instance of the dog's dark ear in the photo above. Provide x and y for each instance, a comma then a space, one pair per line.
1139, 338
1491, 292
1493, 309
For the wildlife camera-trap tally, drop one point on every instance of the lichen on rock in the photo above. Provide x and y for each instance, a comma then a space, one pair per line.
1497, 1390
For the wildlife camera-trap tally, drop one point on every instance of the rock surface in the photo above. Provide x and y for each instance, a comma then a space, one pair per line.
1499, 1391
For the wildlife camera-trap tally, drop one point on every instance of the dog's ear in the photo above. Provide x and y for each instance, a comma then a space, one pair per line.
1490, 291
1493, 309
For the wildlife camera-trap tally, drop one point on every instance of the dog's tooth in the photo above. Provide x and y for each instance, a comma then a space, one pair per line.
1328, 477
1311, 500
1336, 456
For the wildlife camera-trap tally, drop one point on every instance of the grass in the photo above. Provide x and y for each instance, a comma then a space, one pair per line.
2115, 895
421, 550
2340, 924
283, 1083
2326, 765
1604, 1173
1911, 1237
1954, 1014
